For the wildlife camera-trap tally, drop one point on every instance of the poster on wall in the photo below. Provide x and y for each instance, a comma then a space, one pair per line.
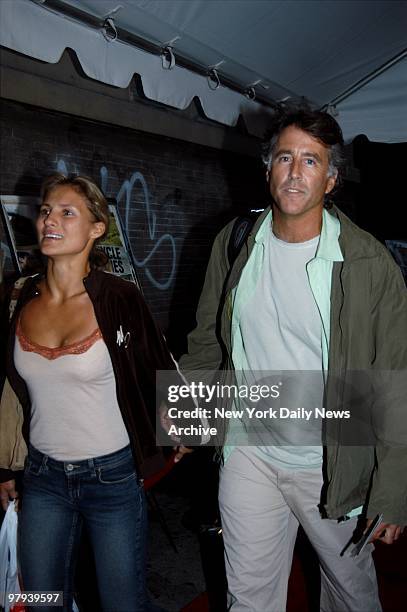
398, 248
19, 245
115, 245
18, 215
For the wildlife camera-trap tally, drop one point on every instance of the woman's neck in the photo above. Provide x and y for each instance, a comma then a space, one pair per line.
64, 279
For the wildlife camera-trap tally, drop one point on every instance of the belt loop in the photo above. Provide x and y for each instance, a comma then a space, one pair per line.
91, 466
44, 461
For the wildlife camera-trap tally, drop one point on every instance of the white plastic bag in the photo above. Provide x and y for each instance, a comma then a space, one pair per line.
8, 561
8, 557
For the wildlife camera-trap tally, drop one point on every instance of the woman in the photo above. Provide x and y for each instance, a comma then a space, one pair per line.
82, 355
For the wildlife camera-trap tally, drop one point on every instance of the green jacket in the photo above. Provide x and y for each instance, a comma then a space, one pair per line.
368, 333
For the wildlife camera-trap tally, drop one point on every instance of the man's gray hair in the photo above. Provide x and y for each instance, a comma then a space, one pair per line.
318, 124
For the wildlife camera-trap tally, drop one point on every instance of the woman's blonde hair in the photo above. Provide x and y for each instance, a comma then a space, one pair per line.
95, 201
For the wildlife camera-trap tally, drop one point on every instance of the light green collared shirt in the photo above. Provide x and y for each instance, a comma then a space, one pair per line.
319, 271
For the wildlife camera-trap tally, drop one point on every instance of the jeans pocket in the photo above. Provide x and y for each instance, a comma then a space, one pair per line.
116, 474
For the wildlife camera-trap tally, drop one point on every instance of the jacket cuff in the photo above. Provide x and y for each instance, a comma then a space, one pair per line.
6, 475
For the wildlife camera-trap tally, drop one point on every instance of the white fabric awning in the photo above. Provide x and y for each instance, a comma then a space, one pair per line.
314, 48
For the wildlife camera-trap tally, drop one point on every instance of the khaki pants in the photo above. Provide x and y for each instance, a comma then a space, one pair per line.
261, 508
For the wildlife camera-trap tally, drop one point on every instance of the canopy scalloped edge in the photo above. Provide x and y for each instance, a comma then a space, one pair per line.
44, 35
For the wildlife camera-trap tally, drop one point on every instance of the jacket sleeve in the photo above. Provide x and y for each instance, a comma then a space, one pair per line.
156, 369
12, 445
204, 344
389, 308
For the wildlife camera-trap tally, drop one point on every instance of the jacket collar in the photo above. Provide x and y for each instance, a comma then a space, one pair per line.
92, 281
352, 243
328, 246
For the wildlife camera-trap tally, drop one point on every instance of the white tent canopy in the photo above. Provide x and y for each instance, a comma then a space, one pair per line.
348, 54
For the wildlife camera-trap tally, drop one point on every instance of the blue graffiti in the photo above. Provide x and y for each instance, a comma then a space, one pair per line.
61, 167
126, 193
103, 178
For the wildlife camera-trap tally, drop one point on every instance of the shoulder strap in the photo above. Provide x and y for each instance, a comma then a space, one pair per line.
241, 229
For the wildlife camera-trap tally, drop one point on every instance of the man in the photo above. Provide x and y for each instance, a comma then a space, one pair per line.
309, 291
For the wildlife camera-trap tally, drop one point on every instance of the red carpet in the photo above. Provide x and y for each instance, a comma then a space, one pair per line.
391, 566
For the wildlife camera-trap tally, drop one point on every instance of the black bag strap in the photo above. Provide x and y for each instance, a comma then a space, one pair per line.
240, 230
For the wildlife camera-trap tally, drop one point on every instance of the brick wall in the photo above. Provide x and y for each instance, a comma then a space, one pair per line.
177, 194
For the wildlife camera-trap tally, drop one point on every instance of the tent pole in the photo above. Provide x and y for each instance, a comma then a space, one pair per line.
367, 79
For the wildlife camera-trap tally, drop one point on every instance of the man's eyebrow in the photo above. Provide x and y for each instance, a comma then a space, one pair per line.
303, 154
283, 152
310, 154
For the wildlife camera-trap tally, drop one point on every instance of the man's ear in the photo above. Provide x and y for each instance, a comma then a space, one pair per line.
330, 184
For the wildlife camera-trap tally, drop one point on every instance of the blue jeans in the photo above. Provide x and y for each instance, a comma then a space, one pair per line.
104, 495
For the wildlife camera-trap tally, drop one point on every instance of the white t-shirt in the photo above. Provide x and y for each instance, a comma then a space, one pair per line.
281, 331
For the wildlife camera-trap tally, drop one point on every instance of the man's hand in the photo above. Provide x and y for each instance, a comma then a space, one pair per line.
7, 492
181, 452
386, 532
166, 422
